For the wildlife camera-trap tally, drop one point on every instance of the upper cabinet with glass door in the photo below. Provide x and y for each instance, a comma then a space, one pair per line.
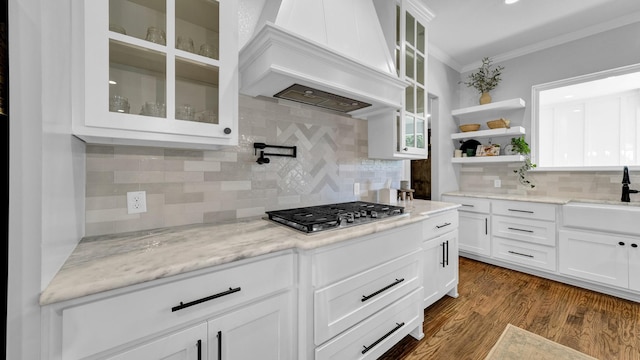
409, 125
158, 73
411, 46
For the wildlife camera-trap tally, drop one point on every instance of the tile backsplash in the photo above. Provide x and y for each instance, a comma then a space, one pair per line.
595, 185
195, 186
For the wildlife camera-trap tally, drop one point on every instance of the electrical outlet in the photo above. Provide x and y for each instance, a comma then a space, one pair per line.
136, 202
497, 183
356, 188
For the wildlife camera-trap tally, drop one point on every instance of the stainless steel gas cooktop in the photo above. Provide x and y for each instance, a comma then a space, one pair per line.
313, 219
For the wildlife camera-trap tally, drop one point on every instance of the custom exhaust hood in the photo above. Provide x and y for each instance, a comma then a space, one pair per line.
326, 53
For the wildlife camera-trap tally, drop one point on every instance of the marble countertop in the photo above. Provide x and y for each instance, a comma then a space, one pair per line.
108, 262
541, 199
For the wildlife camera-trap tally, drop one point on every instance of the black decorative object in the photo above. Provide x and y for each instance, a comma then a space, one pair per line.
263, 160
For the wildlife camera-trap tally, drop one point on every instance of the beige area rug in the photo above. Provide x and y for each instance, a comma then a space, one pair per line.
519, 344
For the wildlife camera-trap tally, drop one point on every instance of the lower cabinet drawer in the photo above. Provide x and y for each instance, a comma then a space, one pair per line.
377, 334
103, 324
335, 263
439, 224
524, 253
345, 303
534, 231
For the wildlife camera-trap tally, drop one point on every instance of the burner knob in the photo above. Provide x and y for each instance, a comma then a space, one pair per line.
374, 214
363, 213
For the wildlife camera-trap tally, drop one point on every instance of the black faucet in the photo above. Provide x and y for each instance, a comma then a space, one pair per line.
625, 186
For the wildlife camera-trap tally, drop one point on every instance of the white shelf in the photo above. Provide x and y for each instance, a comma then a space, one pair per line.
481, 113
513, 131
487, 159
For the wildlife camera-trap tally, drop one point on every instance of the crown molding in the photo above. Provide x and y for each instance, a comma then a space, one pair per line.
563, 39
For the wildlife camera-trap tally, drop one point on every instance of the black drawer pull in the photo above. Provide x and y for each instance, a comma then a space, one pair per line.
517, 253
523, 230
634, 245
367, 297
522, 211
468, 205
199, 347
367, 348
441, 226
621, 243
199, 301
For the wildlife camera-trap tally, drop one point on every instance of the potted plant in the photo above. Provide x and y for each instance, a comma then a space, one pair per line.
520, 146
485, 79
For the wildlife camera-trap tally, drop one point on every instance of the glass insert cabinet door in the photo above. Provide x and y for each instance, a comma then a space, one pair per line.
161, 66
411, 45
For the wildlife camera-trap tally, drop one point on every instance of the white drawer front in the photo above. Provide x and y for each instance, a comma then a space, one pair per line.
439, 224
523, 253
403, 316
534, 231
342, 305
528, 210
335, 263
100, 325
469, 204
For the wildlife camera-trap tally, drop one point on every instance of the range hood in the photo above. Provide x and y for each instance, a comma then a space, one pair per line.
327, 53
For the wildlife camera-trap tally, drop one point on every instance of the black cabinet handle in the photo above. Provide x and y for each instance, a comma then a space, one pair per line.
199, 301
486, 226
517, 253
219, 345
634, 245
447, 253
441, 226
522, 211
443, 255
227, 131
199, 347
468, 205
621, 243
367, 348
367, 297
523, 230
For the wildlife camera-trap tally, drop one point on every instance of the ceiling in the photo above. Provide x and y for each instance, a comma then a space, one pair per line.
465, 31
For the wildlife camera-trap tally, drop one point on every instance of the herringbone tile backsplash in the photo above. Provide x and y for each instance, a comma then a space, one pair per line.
191, 186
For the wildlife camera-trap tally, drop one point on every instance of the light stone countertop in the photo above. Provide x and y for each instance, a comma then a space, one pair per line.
515, 197
540, 199
108, 262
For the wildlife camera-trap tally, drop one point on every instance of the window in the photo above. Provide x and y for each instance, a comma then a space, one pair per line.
591, 122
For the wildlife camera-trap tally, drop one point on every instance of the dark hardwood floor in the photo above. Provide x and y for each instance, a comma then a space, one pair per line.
602, 326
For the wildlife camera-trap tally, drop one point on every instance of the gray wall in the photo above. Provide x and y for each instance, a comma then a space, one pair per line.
443, 83
608, 50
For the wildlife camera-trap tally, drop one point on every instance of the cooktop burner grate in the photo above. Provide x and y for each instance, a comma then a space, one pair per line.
325, 217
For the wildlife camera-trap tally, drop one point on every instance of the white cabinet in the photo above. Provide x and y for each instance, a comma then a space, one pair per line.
156, 73
257, 331
524, 233
188, 344
133, 320
481, 114
440, 267
593, 256
591, 250
440, 251
474, 233
403, 134
360, 291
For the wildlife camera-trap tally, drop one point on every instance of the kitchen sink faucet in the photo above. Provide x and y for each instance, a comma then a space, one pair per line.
625, 186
